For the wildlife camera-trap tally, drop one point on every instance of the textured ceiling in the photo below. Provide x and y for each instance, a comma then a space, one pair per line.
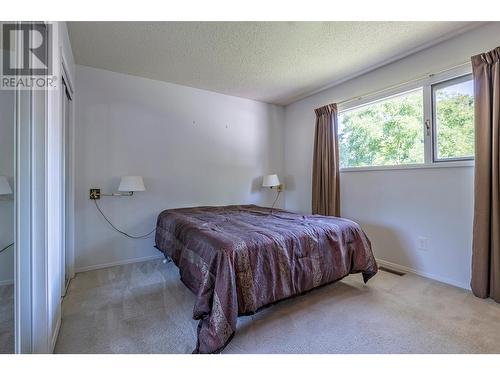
274, 62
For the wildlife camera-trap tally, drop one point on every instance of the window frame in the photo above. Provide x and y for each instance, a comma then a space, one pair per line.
434, 87
426, 84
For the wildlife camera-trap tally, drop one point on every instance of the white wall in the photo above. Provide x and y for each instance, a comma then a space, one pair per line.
193, 147
7, 169
397, 206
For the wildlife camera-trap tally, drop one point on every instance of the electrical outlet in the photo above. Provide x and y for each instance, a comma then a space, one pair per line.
423, 243
95, 194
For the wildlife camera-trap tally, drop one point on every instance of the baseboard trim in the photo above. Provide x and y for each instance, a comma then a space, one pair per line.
117, 263
400, 268
6, 282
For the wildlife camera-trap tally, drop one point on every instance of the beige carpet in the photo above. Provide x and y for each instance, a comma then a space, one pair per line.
144, 308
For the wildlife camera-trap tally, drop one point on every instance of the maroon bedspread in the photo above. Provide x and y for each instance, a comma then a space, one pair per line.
237, 259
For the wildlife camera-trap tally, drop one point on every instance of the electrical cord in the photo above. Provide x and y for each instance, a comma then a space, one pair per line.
6, 247
144, 236
275, 200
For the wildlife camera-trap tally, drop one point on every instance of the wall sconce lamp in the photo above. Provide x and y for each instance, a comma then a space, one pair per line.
5, 188
272, 181
128, 185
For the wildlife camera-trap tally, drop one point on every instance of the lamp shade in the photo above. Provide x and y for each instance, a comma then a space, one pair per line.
131, 183
4, 186
270, 180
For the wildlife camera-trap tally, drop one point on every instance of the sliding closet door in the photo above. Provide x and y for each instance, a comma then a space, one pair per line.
23, 130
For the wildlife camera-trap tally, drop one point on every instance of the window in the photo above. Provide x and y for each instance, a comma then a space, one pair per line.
387, 132
428, 124
453, 116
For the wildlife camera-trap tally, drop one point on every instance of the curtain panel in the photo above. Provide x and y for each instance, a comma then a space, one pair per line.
325, 171
486, 230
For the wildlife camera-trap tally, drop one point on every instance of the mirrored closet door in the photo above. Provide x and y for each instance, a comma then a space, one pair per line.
7, 207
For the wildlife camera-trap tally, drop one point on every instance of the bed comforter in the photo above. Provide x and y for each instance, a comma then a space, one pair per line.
238, 259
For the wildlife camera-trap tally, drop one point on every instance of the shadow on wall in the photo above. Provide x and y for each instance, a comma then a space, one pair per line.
266, 193
289, 182
386, 240
257, 185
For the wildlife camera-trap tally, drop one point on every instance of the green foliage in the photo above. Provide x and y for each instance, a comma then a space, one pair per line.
455, 125
384, 133
391, 132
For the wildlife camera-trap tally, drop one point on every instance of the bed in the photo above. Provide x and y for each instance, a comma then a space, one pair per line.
239, 259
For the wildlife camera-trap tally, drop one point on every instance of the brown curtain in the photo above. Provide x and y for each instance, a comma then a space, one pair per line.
325, 177
486, 232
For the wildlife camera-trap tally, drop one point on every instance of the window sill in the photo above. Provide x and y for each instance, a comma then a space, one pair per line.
443, 164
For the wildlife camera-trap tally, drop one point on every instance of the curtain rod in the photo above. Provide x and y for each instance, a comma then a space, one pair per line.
427, 75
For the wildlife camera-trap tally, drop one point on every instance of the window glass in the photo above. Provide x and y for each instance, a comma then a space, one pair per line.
454, 119
385, 132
